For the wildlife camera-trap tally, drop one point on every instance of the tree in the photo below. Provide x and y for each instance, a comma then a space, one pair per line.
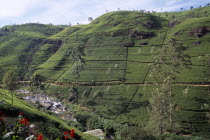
181, 9
164, 72
72, 94
98, 94
135, 133
21, 64
191, 7
85, 94
10, 82
36, 81
90, 19
36, 86
76, 54
205, 71
173, 17
1, 74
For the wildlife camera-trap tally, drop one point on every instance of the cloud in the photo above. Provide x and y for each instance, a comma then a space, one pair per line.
172, 2
78, 11
17, 8
58, 12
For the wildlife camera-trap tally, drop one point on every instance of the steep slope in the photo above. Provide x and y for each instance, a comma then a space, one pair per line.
110, 61
104, 41
21, 43
120, 48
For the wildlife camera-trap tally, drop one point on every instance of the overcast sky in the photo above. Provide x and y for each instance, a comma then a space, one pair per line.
78, 11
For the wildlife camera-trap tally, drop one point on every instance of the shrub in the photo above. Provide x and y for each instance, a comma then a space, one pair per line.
98, 94
136, 133
171, 136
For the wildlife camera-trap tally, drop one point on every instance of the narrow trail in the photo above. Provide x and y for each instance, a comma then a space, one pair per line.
198, 84
113, 84
126, 62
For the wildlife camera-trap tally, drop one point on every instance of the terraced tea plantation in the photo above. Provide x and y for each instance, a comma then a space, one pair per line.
120, 49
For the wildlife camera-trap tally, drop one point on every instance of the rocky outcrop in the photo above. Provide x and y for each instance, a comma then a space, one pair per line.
1, 35
113, 23
141, 34
149, 24
179, 32
54, 42
199, 32
196, 43
38, 40
144, 43
173, 23
118, 33
129, 44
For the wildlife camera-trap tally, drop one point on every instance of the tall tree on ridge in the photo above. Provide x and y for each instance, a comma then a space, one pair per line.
76, 54
164, 71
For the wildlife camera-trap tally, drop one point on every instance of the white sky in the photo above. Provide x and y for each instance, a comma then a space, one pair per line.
78, 11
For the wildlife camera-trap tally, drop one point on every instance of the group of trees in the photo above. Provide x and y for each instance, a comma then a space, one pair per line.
191, 7
144, 11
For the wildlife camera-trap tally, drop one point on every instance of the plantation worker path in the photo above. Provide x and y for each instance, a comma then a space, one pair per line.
112, 84
109, 83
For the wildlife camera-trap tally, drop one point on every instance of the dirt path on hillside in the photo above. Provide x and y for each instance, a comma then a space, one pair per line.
145, 84
198, 84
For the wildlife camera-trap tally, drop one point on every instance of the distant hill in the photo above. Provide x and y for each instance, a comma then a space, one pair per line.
119, 48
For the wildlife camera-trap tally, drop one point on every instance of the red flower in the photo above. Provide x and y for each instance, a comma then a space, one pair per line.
72, 133
21, 121
66, 137
24, 121
65, 133
40, 137
21, 113
3, 115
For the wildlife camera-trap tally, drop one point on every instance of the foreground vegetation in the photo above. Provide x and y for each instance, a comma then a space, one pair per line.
50, 126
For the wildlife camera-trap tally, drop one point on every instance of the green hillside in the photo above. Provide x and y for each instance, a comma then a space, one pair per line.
119, 49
